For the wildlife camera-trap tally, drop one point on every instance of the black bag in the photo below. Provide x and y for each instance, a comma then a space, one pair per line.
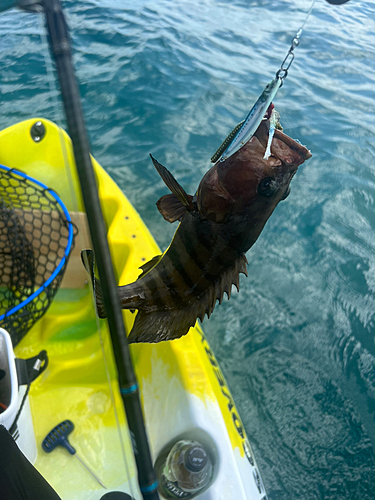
19, 479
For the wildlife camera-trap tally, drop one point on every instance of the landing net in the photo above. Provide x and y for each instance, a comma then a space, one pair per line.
36, 238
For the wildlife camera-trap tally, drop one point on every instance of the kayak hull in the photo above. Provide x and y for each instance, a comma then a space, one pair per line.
183, 391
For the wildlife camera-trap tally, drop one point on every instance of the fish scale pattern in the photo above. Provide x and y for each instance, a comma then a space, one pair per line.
34, 236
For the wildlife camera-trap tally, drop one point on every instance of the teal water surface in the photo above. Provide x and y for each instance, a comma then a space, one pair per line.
172, 79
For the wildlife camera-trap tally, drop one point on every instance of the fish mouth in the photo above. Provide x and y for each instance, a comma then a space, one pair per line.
281, 142
293, 144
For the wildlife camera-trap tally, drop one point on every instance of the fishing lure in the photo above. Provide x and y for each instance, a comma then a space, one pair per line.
253, 119
274, 122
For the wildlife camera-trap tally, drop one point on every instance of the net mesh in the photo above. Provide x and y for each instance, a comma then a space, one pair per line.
35, 242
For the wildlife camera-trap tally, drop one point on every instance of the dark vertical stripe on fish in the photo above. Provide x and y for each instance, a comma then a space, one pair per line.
174, 281
190, 270
208, 251
160, 294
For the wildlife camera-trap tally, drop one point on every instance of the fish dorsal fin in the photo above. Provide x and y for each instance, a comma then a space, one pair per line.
149, 265
173, 185
171, 207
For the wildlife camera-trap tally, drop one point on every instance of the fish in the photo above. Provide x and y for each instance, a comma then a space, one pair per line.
253, 119
217, 226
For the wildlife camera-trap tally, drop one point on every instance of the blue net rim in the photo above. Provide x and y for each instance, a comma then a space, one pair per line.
66, 251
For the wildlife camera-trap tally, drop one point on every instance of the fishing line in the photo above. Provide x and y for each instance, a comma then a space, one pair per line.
282, 73
49, 68
58, 115
307, 16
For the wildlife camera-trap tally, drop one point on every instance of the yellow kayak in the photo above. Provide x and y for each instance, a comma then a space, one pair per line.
184, 394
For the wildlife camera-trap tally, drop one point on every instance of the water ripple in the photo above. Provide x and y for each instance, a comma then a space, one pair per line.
173, 78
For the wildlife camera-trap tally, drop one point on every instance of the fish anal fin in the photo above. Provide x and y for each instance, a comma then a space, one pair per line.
149, 265
171, 207
158, 326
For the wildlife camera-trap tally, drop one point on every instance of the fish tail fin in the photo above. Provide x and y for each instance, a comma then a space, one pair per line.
88, 261
98, 294
130, 295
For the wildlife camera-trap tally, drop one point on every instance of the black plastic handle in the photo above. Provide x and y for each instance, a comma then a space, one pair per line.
58, 436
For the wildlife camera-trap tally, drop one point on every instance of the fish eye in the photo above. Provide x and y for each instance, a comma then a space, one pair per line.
267, 186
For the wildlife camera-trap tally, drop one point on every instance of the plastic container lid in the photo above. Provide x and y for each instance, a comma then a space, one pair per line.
196, 459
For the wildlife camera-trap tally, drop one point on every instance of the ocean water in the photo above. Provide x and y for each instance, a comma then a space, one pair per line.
172, 78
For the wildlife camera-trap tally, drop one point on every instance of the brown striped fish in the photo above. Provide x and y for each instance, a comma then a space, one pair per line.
217, 226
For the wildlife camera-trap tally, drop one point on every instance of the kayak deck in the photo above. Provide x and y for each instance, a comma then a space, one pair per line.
182, 389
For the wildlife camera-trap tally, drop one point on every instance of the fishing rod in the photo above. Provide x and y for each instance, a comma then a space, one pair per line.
59, 41
60, 47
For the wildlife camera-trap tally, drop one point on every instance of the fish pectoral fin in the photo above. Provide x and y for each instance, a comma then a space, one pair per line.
88, 260
149, 265
173, 185
171, 207
158, 326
